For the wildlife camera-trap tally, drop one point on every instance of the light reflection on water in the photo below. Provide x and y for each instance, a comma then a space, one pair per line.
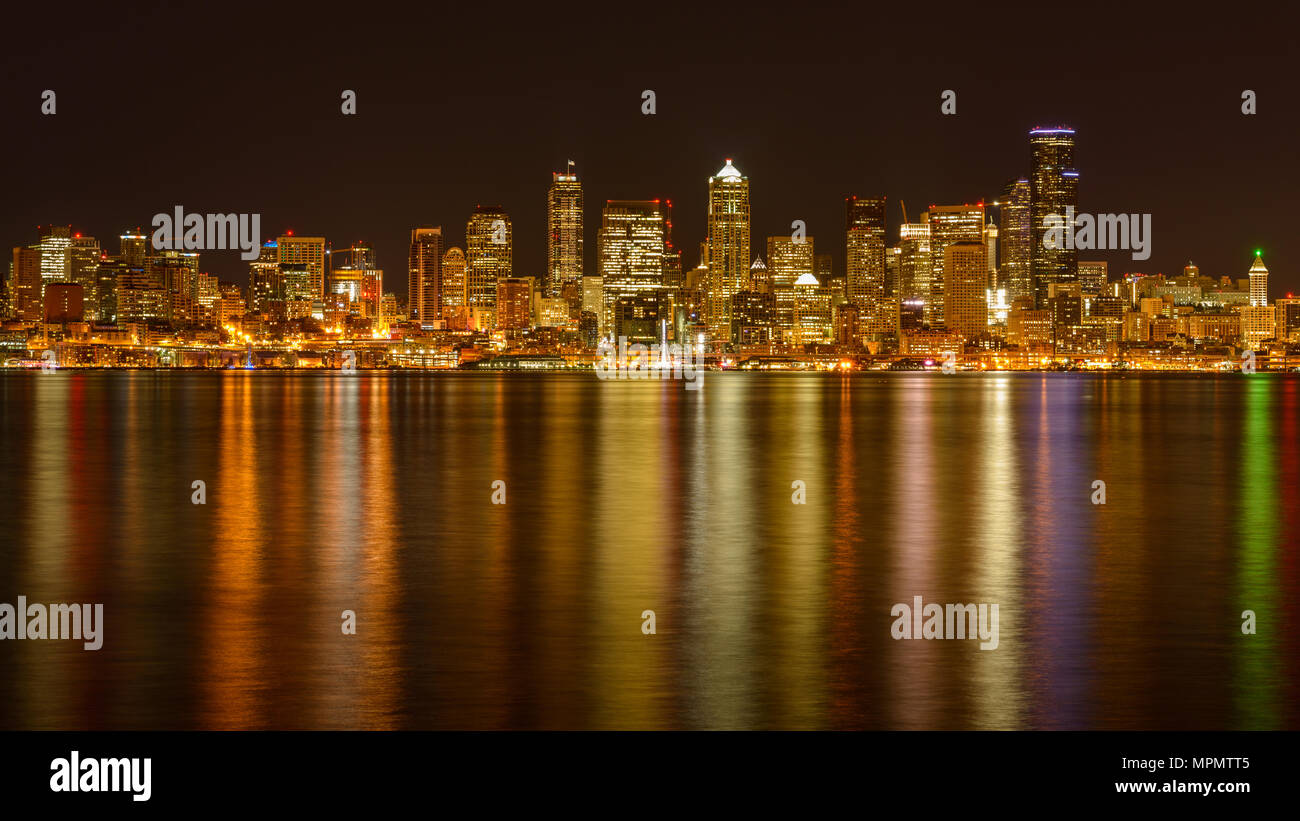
372, 493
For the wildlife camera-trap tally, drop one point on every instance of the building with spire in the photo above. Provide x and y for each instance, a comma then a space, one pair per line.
728, 246
564, 235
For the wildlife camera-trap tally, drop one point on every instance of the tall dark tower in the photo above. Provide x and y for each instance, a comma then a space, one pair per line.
1053, 187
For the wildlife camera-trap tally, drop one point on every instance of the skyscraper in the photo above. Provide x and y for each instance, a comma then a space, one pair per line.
864, 264
965, 273
914, 261
631, 267
948, 224
56, 260
424, 275
1015, 270
488, 254
787, 261
728, 246
1054, 188
453, 283
1258, 283
310, 252
83, 269
27, 284
564, 235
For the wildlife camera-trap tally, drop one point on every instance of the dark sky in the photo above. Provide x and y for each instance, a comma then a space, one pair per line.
225, 108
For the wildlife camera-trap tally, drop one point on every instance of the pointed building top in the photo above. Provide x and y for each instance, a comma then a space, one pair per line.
728, 171
807, 279
1258, 267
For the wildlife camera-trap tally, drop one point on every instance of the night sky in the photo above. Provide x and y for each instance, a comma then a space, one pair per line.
226, 108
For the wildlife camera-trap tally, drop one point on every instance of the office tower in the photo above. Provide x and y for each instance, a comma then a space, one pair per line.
914, 262
1015, 273
787, 262
760, 278
631, 267
424, 275
965, 273
488, 255
55, 244
83, 269
309, 252
107, 273
812, 312
991, 253
1053, 188
514, 303
1287, 317
564, 235
453, 283
133, 247
265, 284
64, 303
1092, 277
1258, 283
753, 315
864, 266
948, 224
728, 246
26, 298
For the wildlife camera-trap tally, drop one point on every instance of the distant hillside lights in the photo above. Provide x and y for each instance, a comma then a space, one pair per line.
209, 232
1104, 232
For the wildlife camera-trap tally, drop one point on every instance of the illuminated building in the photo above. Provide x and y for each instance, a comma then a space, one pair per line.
812, 312
753, 315
1015, 271
27, 303
787, 261
453, 283
991, 253
514, 302
564, 237
309, 252
1258, 283
631, 266
728, 246
83, 269
948, 224
424, 275
265, 284
914, 261
1287, 314
864, 254
488, 255
965, 274
1054, 187
1092, 277
133, 248
55, 243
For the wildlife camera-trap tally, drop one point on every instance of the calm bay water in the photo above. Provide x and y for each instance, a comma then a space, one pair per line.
373, 493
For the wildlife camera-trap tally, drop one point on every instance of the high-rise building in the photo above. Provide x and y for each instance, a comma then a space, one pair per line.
453, 283
307, 251
991, 254
265, 284
83, 269
1015, 271
914, 262
1092, 277
424, 275
1258, 283
27, 304
514, 303
787, 261
564, 235
56, 259
948, 224
1053, 188
965, 273
812, 312
728, 246
864, 265
631, 267
488, 254
133, 247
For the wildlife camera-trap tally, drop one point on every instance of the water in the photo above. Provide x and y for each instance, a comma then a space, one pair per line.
373, 493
